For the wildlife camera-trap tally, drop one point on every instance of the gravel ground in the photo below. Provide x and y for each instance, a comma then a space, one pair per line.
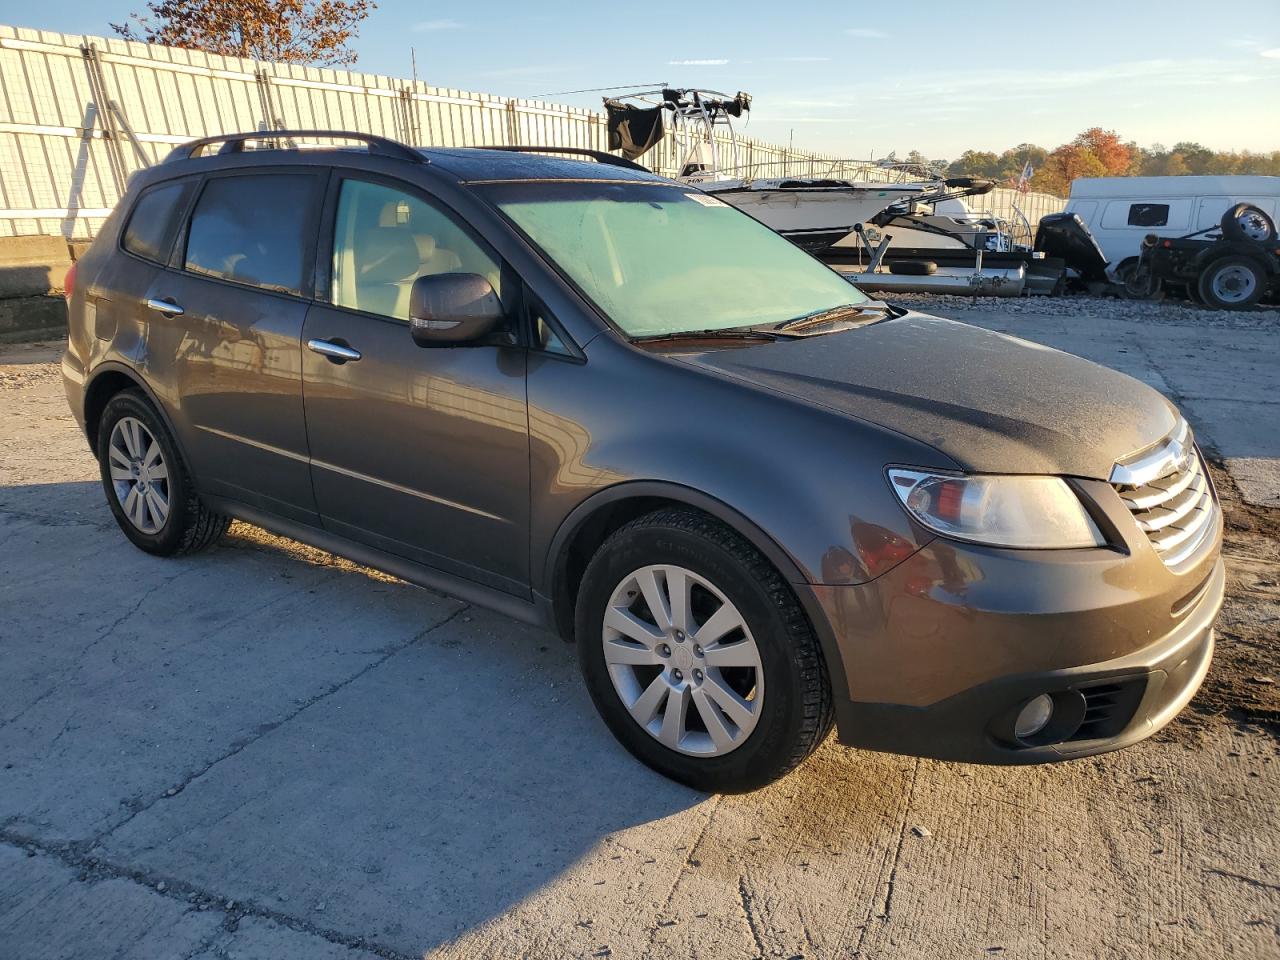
266, 753
1179, 312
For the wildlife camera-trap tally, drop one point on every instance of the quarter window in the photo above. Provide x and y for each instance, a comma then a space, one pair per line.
1148, 214
154, 220
251, 229
384, 239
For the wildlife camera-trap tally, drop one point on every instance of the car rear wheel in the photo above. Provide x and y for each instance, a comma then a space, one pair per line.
698, 655
146, 482
1232, 283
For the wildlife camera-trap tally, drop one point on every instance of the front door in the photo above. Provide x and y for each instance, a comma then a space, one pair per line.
421, 452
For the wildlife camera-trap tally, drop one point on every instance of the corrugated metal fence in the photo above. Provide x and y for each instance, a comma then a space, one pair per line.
78, 114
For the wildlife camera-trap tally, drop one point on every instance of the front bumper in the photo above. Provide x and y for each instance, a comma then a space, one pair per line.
1103, 704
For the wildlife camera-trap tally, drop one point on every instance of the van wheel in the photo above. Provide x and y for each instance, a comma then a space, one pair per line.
1232, 283
698, 655
147, 485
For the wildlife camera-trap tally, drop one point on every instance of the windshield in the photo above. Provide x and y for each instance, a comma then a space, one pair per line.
664, 259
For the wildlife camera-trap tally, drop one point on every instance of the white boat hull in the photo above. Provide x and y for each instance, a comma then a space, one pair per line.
812, 210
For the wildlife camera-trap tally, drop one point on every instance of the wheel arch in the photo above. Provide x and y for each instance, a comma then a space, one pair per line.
590, 523
107, 380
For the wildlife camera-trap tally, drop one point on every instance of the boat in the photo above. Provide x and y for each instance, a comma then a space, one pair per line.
813, 212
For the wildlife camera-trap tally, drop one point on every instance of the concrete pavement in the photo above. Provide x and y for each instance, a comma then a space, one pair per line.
266, 752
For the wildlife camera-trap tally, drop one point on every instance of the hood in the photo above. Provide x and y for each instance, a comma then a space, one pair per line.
989, 401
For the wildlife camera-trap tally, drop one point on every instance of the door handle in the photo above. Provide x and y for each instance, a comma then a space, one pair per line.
167, 307
334, 352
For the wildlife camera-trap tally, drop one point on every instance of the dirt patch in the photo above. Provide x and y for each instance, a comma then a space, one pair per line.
1243, 686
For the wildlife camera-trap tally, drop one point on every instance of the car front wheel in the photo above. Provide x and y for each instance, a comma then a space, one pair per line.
698, 655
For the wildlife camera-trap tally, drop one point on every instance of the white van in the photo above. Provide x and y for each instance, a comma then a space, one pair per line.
1120, 211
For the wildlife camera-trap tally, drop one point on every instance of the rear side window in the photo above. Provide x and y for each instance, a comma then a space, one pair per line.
252, 229
154, 220
1148, 215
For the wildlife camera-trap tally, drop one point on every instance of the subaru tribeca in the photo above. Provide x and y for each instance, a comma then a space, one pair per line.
596, 400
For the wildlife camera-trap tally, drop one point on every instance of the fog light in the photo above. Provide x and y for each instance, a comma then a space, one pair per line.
1034, 717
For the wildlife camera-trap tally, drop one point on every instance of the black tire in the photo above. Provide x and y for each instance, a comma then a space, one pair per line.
1135, 282
189, 525
1233, 224
1215, 274
913, 268
797, 711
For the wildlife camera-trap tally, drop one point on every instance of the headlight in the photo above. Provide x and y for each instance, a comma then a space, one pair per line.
1030, 512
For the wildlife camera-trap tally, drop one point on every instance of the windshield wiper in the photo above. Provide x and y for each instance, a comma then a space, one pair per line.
834, 315
724, 333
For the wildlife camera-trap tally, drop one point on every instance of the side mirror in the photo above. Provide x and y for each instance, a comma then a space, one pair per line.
450, 308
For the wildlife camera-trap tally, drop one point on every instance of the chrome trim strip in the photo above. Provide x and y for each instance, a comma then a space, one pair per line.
1162, 495
388, 485
258, 444
1165, 458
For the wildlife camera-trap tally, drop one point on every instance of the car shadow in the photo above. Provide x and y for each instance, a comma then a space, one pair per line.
267, 724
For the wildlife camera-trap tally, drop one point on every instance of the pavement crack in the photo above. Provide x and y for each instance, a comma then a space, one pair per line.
93, 869
886, 911
689, 861
745, 898
263, 729
1251, 881
104, 634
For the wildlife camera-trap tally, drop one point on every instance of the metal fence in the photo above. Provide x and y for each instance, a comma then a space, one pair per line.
78, 114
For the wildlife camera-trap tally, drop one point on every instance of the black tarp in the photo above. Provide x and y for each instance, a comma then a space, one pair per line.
633, 130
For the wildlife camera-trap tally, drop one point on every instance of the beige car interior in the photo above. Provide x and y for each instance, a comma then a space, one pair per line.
385, 240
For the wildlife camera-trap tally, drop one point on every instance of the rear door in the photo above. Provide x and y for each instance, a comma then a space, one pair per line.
116, 293
421, 452
228, 352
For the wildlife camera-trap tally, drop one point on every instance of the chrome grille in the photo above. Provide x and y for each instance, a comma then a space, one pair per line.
1167, 490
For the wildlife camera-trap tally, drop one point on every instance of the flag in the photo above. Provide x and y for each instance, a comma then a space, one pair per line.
1024, 181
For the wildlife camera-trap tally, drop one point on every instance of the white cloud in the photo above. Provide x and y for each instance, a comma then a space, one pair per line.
864, 32
1272, 54
427, 26
696, 63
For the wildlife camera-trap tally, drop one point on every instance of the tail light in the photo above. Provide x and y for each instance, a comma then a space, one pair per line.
69, 284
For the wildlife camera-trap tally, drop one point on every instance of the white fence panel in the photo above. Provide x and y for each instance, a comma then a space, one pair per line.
78, 114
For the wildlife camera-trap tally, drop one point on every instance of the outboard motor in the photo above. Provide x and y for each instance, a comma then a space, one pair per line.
1064, 235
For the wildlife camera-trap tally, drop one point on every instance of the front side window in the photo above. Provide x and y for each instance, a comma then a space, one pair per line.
384, 239
662, 259
252, 229
154, 221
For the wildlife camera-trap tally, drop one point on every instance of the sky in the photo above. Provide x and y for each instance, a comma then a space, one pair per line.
852, 78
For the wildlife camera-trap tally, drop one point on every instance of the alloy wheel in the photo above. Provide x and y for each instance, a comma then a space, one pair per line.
683, 660
139, 475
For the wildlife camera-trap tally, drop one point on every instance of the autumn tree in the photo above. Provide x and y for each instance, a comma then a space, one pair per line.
1069, 162
281, 31
1116, 156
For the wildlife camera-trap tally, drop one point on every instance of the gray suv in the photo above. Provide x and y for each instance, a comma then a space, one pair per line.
606, 403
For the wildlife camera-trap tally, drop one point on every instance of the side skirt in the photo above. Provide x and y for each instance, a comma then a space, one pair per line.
536, 614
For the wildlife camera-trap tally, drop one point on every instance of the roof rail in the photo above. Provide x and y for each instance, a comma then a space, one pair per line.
234, 143
598, 155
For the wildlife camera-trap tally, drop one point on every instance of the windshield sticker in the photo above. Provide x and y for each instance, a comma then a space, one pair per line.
705, 200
